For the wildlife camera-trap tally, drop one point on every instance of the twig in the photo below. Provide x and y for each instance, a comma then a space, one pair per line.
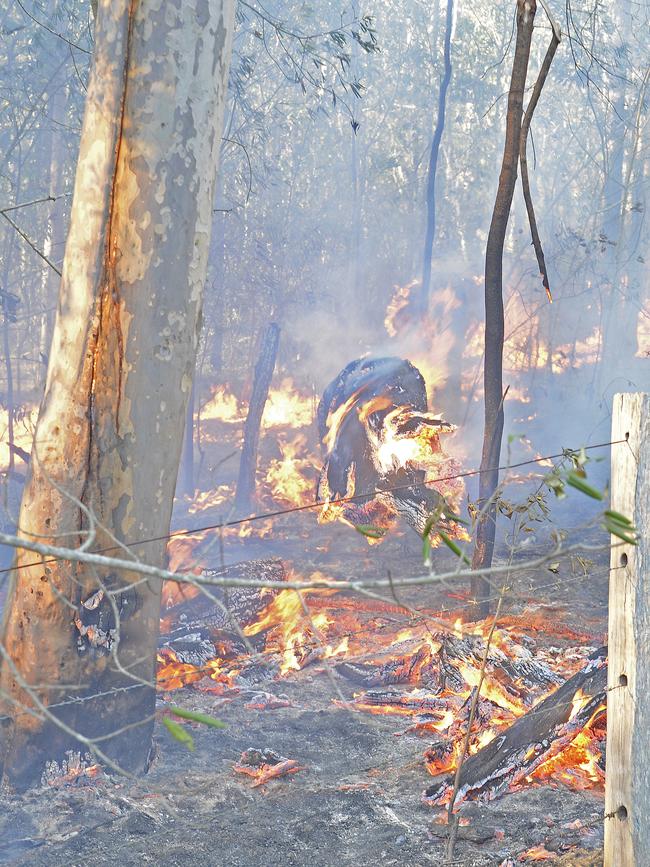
451, 819
75, 555
53, 32
523, 161
31, 243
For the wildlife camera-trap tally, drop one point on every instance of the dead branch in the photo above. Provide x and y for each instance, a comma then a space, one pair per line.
116, 564
523, 161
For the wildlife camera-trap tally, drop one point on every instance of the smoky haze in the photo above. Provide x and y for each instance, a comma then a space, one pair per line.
320, 213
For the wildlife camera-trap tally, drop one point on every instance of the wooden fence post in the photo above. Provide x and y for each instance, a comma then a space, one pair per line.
627, 784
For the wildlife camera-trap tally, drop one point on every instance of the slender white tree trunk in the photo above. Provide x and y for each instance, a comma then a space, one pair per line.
110, 427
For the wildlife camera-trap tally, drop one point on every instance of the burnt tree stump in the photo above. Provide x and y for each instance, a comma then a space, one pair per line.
356, 403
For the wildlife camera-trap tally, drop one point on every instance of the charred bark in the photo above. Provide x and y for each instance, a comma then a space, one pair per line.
523, 159
242, 603
533, 739
394, 379
369, 390
261, 383
199, 629
494, 324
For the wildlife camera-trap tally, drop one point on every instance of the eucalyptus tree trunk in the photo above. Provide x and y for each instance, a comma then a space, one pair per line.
494, 325
79, 645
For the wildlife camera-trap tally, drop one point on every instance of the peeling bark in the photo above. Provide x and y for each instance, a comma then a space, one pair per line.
110, 427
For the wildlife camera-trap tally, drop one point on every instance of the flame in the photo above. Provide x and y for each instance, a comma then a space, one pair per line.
215, 498
398, 443
291, 479
338, 627
490, 689
578, 764
578, 702
404, 439
398, 307
294, 631
525, 349
223, 406
286, 407
427, 342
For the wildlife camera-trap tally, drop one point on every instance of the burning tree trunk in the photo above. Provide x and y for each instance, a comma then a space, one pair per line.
263, 374
79, 645
494, 326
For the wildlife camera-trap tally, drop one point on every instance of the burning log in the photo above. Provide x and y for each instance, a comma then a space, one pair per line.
379, 439
243, 603
191, 627
533, 739
445, 661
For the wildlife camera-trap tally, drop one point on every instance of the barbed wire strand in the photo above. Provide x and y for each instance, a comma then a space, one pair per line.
317, 504
46, 710
311, 644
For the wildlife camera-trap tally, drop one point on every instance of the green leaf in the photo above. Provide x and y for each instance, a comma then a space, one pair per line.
370, 531
579, 484
620, 533
195, 716
179, 733
450, 516
614, 522
616, 516
453, 547
426, 550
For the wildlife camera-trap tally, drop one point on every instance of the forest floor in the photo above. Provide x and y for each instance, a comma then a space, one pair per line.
358, 799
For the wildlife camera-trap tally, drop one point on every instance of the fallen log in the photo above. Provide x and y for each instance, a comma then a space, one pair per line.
242, 603
532, 740
193, 627
438, 665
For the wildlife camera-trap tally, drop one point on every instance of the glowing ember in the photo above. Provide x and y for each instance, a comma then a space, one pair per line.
173, 674
537, 853
265, 765
411, 672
